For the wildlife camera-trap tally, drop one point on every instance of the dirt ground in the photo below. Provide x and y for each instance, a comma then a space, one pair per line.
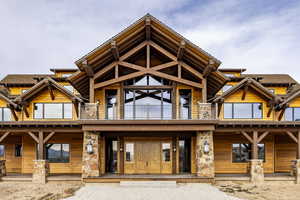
267, 191
31, 191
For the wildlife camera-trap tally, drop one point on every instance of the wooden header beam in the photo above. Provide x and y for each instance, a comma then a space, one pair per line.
4, 136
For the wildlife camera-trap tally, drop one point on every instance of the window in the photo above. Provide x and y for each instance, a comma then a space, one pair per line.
229, 75
147, 81
292, 114
58, 153
226, 87
129, 152
5, 114
185, 98
23, 91
111, 104
242, 152
18, 150
53, 111
69, 87
166, 152
272, 90
1, 150
242, 110
66, 75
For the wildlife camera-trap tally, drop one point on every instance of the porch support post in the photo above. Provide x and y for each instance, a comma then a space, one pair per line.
90, 156
256, 165
205, 154
40, 171
296, 166
2, 168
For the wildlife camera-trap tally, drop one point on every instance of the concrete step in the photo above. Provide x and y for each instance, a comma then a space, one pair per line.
148, 184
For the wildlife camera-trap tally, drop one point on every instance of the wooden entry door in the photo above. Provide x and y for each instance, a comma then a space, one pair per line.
146, 156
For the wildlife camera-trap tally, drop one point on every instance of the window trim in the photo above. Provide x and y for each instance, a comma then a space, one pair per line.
252, 110
46, 152
250, 152
43, 110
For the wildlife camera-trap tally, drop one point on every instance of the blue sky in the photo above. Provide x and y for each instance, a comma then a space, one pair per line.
260, 35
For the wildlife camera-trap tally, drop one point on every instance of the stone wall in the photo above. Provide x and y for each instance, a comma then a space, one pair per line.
40, 171
90, 161
2, 168
205, 160
296, 170
256, 171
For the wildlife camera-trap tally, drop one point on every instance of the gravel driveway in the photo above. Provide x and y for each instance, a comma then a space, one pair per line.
191, 191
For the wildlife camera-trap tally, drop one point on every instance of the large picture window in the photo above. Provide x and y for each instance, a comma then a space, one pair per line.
242, 152
58, 153
292, 114
5, 114
243, 111
52, 111
1, 150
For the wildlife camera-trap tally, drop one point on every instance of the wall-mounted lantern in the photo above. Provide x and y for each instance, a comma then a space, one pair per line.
206, 147
89, 148
174, 149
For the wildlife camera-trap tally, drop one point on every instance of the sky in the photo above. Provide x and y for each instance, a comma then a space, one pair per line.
260, 35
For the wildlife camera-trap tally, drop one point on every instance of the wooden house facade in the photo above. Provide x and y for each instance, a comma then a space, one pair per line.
149, 102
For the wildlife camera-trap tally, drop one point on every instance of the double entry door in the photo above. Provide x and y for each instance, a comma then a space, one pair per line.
147, 156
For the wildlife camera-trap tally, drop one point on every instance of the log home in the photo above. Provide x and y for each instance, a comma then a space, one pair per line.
148, 103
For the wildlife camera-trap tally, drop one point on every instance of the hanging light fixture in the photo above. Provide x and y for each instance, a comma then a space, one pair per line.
89, 148
206, 147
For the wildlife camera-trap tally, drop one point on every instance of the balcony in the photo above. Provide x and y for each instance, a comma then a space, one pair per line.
199, 111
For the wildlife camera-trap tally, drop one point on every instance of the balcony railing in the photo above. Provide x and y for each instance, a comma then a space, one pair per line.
200, 111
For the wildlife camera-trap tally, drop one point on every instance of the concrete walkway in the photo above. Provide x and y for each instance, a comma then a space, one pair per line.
191, 191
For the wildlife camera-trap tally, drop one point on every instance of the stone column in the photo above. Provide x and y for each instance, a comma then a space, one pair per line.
40, 171
296, 170
90, 160
256, 171
2, 168
205, 154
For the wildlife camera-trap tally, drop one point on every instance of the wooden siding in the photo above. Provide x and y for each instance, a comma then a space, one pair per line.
223, 154
285, 152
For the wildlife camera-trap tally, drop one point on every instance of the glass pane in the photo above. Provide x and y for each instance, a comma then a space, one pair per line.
245, 152
65, 153
228, 110
261, 151
128, 107
1, 111
257, 110
154, 80
226, 87
68, 111
1, 150
242, 111
166, 152
111, 104
129, 152
18, 150
185, 104
167, 104
6, 114
38, 111
53, 152
289, 114
141, 81
236, 153
296, 114
69, 87
53, 111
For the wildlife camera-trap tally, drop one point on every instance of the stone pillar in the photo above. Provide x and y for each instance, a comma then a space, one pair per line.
256, 171
40, 171
296, 170
2, 168
90, 160
205, 154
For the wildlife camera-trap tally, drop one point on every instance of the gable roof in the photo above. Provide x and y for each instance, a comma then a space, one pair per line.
22, 79
272, 79
291, 96
41, 86
134, 35
253, 84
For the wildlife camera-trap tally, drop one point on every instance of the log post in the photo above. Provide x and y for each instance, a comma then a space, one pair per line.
256, 165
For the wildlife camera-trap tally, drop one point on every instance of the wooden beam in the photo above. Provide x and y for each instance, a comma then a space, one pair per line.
26, 111
204, 91
164, 65
117, 71
133, 50
163, 51
292, 136
209, 68
181, 49
254, 146
192, 70
219, 108
88, 69
51, 92
270, 110
132, 66
48, 137
33, 137
148, 57
92, 90
120, 79
104, 70
247, 136
41, 146
148, 28
281, 114
12, 110
245, 92
76, 105
114, 50
179, 70
4, 136
262, 136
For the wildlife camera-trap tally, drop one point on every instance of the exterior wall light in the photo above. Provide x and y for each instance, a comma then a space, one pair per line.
206, 147
89, 148
174, 149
